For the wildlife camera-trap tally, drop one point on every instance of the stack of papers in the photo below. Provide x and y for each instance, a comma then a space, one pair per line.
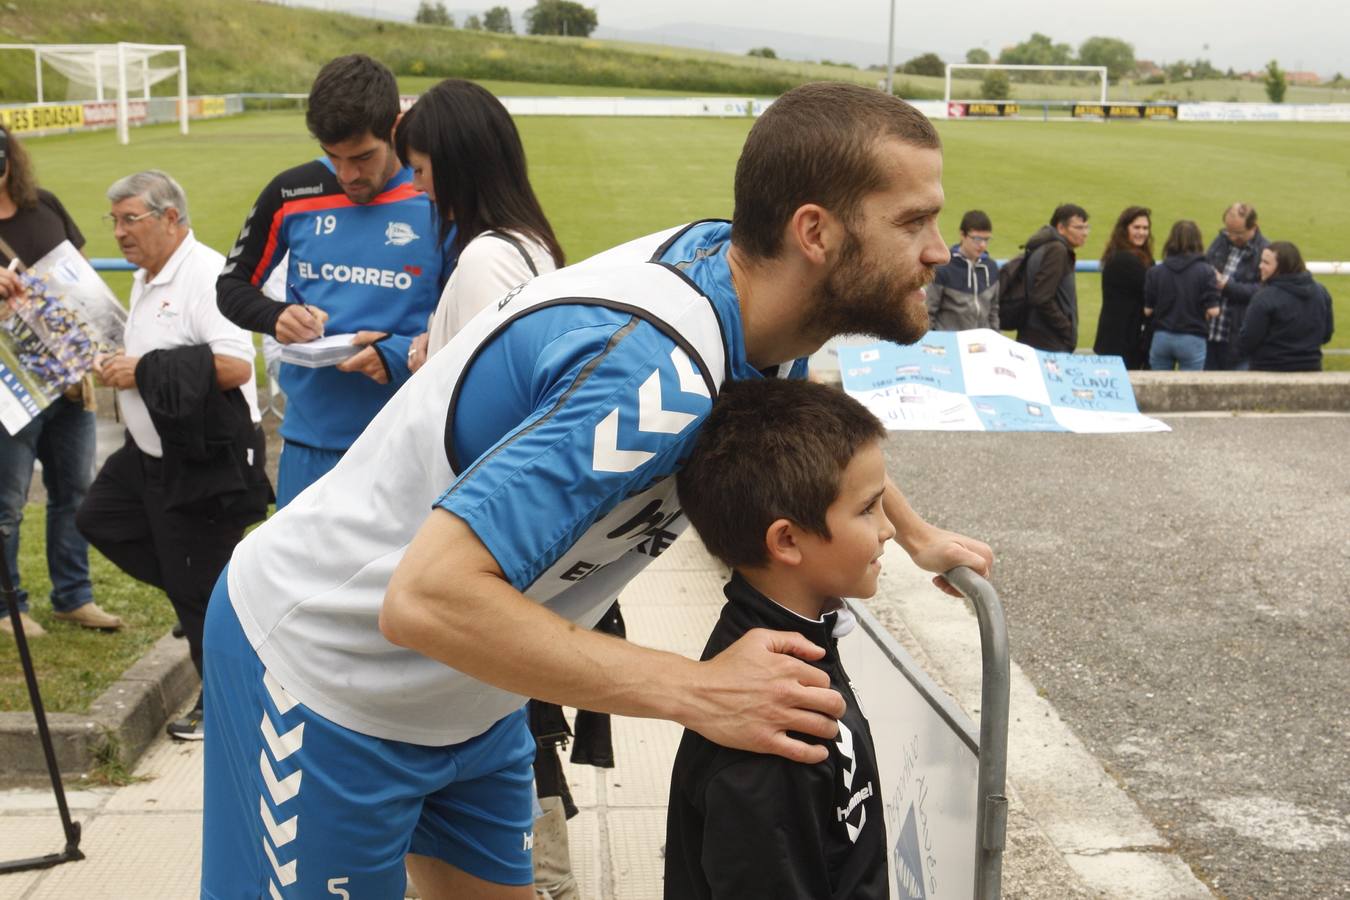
324, 351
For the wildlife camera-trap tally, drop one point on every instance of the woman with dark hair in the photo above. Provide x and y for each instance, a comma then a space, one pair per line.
61, 437
1121, 327
1289, 318
466, 155
1181, 296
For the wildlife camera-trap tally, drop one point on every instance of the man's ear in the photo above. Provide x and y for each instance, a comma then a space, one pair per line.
781, 542
172, 216
815, 233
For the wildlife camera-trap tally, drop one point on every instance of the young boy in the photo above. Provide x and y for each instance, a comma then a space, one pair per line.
784, 485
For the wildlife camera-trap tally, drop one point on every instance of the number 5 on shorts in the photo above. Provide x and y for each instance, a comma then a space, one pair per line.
335, 887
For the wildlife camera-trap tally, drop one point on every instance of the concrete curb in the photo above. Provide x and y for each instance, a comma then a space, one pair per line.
131, 712
1172, 392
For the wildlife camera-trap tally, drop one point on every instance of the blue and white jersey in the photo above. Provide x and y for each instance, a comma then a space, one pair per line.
376, 266
552, 424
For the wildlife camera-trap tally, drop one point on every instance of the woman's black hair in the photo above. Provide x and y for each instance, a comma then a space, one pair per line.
477, 164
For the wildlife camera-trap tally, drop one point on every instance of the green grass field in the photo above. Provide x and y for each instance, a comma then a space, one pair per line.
604, 180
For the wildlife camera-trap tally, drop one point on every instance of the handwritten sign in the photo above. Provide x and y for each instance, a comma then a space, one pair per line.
979, 380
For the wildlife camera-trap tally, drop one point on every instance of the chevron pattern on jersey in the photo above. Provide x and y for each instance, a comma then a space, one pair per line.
653, 418
279, 829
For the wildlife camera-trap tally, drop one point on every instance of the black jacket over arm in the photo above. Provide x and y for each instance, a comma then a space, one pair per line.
214, 456
748, 826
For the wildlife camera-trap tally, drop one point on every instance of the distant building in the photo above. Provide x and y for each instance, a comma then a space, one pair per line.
1302, 78
1147, 68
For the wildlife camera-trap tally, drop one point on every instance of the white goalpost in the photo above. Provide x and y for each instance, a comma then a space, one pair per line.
128, 66
1100, 71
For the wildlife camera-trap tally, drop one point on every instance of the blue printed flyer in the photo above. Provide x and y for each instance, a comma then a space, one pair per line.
979, 380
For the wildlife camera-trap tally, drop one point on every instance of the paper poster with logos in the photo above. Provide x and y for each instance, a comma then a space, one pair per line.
927, 765
48, 340
979, 380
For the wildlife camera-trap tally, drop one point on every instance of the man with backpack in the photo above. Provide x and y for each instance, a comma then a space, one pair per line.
1038, 295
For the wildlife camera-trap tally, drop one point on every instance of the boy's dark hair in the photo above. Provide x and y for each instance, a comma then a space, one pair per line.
976, 220
352, 95
1184, 238
1066, 211
770, 449
816, 144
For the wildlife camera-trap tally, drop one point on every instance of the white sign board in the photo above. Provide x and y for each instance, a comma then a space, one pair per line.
927, 765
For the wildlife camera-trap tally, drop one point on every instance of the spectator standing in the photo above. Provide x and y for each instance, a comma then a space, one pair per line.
1122, 327
363, 255
1181, 297
964, 292
1289, 318
1052, 289
61, 437
168, 506
1235, 254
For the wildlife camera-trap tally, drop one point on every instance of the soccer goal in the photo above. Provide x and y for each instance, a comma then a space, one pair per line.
122, 69
1037, 84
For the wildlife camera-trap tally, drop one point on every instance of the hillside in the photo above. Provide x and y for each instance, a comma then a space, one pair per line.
235, 45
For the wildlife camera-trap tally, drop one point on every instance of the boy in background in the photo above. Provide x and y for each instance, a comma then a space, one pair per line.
785, 486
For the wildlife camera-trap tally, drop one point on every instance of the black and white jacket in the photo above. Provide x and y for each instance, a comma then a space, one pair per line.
746, 825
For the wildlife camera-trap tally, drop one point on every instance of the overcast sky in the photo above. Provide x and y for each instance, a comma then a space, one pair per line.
1242, 34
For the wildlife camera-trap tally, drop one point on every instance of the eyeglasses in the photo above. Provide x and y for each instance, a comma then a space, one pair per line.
127, 221
979, 238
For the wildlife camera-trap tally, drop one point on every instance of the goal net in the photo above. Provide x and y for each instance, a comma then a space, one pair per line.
111, 72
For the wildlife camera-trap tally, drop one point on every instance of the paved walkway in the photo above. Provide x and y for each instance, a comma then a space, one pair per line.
143, 841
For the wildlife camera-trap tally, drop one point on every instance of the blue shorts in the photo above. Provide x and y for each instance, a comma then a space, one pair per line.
299, 467
297, 806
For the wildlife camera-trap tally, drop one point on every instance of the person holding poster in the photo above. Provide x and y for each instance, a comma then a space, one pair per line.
61, 436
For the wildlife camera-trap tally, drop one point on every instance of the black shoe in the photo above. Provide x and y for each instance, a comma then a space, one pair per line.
178, 629
188, 728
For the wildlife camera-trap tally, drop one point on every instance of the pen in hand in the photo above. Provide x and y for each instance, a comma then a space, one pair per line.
299, 322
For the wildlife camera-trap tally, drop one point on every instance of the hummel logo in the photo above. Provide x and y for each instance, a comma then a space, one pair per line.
653, 418
528, 841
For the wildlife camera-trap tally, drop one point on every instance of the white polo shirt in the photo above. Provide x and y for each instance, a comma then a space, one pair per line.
177, 308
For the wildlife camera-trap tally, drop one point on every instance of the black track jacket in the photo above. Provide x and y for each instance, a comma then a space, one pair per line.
743, 826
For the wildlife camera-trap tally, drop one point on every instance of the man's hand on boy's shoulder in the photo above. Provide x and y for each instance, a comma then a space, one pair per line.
757, 690
941, 551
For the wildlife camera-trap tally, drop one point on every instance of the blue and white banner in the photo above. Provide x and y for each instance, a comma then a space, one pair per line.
979, 380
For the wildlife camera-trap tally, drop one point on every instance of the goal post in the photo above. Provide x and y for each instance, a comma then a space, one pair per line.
1099, 71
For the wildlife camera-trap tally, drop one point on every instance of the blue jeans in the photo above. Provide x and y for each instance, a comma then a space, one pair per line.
1186, 350
62, 437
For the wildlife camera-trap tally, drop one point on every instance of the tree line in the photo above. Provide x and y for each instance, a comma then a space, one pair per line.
563, 17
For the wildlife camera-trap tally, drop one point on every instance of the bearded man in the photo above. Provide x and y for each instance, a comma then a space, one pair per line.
453, 562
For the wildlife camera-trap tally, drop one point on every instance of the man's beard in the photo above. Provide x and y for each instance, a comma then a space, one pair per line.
858, 297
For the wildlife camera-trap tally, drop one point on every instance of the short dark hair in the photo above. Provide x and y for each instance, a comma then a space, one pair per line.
770, 449
1244, 211
1288, 260
976, 220
351, 95
477, 164
1184, 237
816, 144
1066, 211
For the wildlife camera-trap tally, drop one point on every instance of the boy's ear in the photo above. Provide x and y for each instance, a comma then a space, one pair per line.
781, 541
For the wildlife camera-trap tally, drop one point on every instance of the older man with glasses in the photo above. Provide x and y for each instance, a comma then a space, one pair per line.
169, 506
1052, 291
1235, 255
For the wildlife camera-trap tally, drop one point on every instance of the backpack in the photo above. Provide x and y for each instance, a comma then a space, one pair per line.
1012, 293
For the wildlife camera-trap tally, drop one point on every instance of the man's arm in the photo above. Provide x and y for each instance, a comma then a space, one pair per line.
933, 549
260, 246
449, 600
